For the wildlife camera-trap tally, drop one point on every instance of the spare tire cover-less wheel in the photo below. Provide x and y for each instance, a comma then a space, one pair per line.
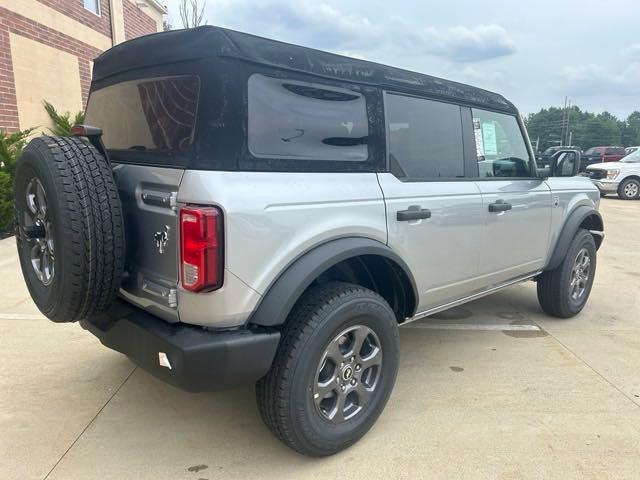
69, 228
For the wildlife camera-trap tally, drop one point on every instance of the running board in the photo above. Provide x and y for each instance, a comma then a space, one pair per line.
475, 296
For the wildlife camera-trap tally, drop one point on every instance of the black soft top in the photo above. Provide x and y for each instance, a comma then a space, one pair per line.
209, 41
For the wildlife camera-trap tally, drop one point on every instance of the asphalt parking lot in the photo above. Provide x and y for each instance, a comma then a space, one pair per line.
494, 389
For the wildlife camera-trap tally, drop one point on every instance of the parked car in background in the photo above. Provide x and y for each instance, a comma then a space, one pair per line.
601, 155
543, 159
630, 150
621, 177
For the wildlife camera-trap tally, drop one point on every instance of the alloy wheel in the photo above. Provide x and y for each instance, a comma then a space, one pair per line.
348, 374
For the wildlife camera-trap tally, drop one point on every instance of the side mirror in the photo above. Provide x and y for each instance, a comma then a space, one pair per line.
565, 163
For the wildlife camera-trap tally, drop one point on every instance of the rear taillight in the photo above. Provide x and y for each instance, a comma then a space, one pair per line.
201, 248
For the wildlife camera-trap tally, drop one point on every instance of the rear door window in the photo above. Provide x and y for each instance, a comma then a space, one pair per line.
500, 146
307, 121
615, 151
424, 138
155, 115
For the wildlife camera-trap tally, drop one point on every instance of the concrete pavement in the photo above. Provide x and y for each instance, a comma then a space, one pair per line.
558, 399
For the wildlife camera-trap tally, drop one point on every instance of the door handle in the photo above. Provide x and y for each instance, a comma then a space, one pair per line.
499, 206
414, 212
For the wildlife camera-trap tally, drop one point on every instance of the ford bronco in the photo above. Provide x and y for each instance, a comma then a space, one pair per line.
241, 210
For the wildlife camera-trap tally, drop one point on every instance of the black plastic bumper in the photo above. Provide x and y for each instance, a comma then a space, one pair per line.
200, 360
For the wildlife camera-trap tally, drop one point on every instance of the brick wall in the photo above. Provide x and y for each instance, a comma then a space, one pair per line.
12, 22
75, 9
8, 104
136, 22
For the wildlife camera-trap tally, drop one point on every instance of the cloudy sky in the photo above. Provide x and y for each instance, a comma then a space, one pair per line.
534, 52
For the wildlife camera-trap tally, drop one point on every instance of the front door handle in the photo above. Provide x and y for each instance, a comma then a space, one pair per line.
414, 212
499, 206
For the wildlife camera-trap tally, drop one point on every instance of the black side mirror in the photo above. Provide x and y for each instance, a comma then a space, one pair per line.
565, 163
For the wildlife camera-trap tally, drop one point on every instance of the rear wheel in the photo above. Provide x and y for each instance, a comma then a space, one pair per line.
629, 189
334, 370
563, 292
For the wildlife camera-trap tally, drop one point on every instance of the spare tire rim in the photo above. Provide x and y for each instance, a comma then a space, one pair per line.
580, 275
37, 231
348, 374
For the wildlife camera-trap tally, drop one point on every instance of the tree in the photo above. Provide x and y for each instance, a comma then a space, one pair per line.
11, 145
191, 13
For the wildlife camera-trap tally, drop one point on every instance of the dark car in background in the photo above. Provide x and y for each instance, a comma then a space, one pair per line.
601, 155
543, 159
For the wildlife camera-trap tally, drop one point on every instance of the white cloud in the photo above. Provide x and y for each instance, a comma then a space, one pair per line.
594, 79
468, 44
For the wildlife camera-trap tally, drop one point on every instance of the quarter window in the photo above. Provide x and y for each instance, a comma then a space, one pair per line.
500, 146
92, 6
424, 138
306, 121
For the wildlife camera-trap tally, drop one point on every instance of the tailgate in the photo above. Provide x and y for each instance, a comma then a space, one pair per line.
148, 196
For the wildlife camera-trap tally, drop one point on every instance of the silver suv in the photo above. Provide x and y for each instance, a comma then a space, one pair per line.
243, 210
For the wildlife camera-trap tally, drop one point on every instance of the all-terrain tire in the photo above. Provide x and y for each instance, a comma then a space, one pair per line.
629, 189
285, 395
84, 227
555, 286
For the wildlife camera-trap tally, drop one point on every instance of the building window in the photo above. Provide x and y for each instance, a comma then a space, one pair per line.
92, 6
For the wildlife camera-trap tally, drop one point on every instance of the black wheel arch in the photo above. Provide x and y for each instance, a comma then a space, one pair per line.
376, 265
583, 216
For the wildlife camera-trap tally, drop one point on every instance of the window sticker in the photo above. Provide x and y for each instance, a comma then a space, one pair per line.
477, 131
489, 138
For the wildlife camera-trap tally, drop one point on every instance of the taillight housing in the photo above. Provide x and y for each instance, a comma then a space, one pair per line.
201, 248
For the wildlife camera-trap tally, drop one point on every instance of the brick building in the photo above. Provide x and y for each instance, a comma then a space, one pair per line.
47, 48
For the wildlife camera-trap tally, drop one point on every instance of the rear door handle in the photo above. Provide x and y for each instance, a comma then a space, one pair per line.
414, 212
499, 206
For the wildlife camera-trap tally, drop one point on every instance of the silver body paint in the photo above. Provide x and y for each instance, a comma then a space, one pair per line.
271, 218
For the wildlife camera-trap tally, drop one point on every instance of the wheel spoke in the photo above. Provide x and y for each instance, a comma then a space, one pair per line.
374, 358
364, 394
338, 416
334, 353
360, 336
324, 389
42, 202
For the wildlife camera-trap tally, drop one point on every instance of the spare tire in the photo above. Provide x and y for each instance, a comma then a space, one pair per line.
69, 227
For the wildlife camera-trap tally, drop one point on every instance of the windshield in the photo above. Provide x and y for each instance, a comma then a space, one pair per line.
592, 150
632, 157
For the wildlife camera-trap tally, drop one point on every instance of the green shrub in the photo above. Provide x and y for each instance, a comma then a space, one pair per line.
11, 145
62, 122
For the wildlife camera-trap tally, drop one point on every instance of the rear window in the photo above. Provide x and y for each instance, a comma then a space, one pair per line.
306, 121
148, 115
615, 151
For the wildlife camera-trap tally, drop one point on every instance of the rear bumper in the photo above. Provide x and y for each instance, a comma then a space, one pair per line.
197, 360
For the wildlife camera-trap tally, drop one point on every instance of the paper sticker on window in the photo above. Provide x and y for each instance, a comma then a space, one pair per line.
489, 138
477, 130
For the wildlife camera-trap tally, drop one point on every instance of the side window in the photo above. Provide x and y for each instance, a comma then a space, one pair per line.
306, 121
615, 151
500, 146
424, 138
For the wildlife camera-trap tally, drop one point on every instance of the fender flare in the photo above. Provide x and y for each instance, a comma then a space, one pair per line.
285, 291
569, 230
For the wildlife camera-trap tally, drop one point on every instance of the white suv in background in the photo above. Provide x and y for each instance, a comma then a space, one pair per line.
622, 177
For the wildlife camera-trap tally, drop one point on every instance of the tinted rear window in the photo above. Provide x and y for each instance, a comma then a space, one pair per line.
307, 121
155, 115
615, 151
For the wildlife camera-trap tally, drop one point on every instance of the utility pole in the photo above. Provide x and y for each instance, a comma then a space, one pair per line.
570, 137
568, 122
564, 118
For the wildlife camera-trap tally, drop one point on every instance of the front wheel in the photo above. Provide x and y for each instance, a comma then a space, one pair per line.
563, 292
629, 189
334, 370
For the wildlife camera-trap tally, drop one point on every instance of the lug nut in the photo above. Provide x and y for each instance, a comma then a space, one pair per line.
353, 382
358, 367
343, 388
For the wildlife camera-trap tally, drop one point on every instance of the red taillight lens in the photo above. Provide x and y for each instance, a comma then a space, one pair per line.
201, 252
